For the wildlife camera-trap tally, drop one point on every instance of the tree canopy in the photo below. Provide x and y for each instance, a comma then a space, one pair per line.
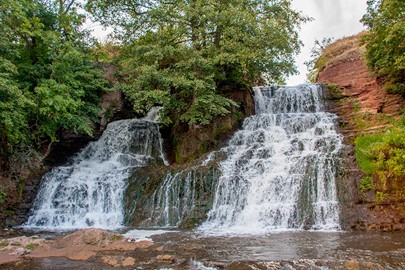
386, 42
181, 53
47, 79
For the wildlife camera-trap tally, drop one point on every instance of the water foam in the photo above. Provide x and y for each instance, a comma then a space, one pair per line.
88, 192
279, 173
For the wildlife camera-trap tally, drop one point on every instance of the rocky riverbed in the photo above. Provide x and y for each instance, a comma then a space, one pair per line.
99, 249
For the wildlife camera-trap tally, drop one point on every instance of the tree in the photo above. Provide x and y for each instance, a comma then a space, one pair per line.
318, 60
386, 42
182, 53
47, 79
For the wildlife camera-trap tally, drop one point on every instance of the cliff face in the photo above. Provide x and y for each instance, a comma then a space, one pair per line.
187, 143
364, 108
356, 88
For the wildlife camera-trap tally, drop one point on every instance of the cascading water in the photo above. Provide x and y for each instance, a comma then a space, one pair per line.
88, 192
279, 172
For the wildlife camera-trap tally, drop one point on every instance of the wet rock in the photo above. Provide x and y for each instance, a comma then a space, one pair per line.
166, 257
81, 245
352, 265
128, 261
20, 251
146, 183
118, 261
110, 260
191, 142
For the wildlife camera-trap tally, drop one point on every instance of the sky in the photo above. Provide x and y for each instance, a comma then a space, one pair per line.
332, 19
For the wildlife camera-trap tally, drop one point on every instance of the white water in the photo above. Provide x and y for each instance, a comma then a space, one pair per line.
145, 235
168, 209
279, 173
88, 192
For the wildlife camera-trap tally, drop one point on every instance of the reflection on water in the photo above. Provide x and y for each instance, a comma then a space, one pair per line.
283, 250
383, 248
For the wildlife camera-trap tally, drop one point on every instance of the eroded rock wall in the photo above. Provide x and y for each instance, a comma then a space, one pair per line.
358, 97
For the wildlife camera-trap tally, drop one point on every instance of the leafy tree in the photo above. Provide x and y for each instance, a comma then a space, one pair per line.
386, 42
318, 59
181, 53
47, 79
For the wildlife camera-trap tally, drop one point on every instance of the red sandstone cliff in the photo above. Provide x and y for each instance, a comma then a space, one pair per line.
363, 107
347, 69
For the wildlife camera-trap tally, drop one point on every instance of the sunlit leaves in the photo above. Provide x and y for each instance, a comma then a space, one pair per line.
47, 80
386, 42
185, 51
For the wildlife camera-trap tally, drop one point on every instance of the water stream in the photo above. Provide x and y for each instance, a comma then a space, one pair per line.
269, 197
88, 191
279, 173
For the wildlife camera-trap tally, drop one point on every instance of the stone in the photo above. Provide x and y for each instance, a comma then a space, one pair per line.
20, 251
128, 261
166, 257
110, 260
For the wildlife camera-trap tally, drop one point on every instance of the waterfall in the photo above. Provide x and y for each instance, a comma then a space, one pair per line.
170, 197
88, 192
279, 173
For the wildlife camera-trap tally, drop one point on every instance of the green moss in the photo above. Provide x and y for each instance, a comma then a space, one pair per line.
335, 91
380, 196
178, 156
31, 246
356, 105
205, 146
3, 196
117, 237
367, 120
3, 244
218, 132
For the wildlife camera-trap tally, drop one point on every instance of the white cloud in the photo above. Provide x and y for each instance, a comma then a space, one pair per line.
332, 18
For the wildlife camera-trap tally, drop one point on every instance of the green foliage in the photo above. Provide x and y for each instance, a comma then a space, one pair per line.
13, 104
364, 152
117, 237
386, 42
380, 196
3, 196
31, 246
383, 155
364, 120
389, 154
180, 54
318, 59
47, 79
366, 184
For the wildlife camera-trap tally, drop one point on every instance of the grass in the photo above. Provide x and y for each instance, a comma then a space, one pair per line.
381, 156
337, 51
363, 152
367, 120
366, 184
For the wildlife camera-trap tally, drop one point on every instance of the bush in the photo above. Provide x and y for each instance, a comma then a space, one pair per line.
385, 42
